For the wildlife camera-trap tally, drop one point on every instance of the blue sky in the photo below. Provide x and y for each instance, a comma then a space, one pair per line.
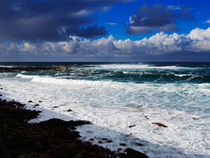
120, 13
105, 30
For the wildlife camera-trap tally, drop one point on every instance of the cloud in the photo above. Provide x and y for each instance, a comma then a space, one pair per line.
90, 31
197, 41
110, 23
156, 17
185, 13
52, 20
208, 21
173, 7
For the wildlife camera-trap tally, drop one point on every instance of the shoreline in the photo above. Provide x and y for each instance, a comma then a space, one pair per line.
54, 138
16, 69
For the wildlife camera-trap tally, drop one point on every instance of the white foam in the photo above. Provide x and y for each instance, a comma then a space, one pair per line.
136, 67
183, 75
9, 66
51, 80
113, 106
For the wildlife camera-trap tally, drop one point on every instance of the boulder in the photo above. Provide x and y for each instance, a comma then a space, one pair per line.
36, 105
159, 124
65, 151
135, 154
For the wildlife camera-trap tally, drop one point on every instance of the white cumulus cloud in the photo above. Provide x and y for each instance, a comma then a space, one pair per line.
198, 40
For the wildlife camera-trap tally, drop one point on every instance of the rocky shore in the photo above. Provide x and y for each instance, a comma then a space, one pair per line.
15, 69
54, 138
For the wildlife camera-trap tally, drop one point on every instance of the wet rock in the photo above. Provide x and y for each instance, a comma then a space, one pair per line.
104, 139
31, 155
122, 144
3, 150
69, 110
17, 69
36, 105
85, 154
119, 149
65, 151
37, 146
58, 122
146, 117
131, 126
109, 141
53, 138
159, 124
135, 154
139, 144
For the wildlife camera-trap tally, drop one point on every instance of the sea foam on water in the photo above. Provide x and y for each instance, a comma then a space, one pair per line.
124, 112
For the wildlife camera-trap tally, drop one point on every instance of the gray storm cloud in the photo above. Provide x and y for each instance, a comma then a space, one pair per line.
52, 20
155, 18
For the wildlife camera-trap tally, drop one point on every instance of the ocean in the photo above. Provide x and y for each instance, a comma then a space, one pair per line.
123, 100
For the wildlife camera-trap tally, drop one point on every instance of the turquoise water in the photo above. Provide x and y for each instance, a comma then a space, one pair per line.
138, 73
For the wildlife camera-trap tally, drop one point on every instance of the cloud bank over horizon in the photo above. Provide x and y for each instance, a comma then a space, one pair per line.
104, 30
198, 40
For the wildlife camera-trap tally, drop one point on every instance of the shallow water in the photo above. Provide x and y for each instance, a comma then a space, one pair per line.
116, 96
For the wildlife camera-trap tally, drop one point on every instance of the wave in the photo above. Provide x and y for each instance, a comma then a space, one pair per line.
8, 66
53, 80
139, 66
120, 76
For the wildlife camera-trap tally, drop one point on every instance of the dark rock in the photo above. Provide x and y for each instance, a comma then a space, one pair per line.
159, 124
40, 101
122, 144
17, 69
0, 95
109, 141
91, 139
139, 144
69, 110
3, 150
119, 149
131, 126
31, 155
58, 122
53, 138
135, 154
100, 142
36, 105
65, 151
105, 139
55, 107
30, 101
146, 117
85, 154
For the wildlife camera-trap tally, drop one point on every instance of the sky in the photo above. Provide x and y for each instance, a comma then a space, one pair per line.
105, 30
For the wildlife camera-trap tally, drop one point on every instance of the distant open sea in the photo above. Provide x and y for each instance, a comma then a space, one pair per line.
122, 100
